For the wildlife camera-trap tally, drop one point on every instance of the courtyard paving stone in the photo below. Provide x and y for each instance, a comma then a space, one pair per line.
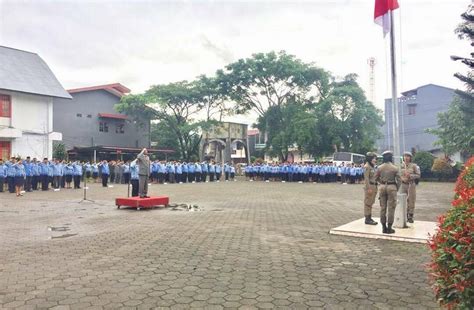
255, 246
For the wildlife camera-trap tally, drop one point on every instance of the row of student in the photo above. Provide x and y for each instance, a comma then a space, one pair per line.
32, 175
293, 172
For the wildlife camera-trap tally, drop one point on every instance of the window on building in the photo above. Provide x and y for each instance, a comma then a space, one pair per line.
89, 115
5, 106
119, 128
79, 115
411, 110
103, 127
5, 150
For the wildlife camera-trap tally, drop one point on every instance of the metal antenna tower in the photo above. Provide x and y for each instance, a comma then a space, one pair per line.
372, 62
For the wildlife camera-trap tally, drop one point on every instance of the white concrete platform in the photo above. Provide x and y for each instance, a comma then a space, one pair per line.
416, 232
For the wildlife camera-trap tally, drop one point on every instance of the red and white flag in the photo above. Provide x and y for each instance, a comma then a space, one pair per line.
382, 13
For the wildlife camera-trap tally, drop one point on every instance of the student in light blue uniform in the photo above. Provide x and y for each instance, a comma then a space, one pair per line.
35, 179
179, 173
57, 173
191, 172
218, 170
212, 171
68, 174
205, 171
232, 173
28, 174
134, 178
20, 176
105, 171
198, 168
11, 173
3, 175
77, 172
226, 171
184, 175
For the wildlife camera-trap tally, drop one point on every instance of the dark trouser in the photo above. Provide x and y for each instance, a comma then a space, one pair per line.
2, 181
198, 176
77, 181
56, 181
218, 176
62, 181
134, 183
184, 177
34, 182
105, 179
191, 176
112, 177
232, 175
211, 177
126, 176
11, 184
161, 177
227, 176
204, 177
28, 184
44, 182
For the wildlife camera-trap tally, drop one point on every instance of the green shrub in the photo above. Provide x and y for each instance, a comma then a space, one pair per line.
424, 160
442, 169
452, 262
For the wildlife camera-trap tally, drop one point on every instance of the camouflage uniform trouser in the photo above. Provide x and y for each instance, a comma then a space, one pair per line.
388, 200
369, 199
410, 190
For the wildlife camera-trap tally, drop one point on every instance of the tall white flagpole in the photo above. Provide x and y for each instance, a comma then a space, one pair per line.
401, 211
395, 121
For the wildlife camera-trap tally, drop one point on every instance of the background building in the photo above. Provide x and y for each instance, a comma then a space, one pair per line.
225, 142
418, 111
27, 89
90, 122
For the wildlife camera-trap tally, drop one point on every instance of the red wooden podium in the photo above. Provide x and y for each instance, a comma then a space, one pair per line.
138, 203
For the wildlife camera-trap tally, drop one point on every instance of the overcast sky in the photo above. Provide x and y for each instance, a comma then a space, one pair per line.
141, 43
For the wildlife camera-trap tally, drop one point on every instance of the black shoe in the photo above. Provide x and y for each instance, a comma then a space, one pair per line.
370, 221
410, 220
384, 228
390, 230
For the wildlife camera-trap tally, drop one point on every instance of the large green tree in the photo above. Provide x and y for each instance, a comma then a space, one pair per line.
269, 80
349, 119
456, 128
180, 111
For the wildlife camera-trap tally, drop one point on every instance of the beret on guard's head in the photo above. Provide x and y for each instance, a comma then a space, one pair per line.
408, 154
371, 154
387, 153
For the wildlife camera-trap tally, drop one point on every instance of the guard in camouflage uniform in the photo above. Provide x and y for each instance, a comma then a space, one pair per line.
370, 188
388, 177
410, 176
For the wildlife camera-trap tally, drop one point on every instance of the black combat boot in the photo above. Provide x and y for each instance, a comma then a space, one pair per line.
384, 228
390, 230
370, 221
410, 218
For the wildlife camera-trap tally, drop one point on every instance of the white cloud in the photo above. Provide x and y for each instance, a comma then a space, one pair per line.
140, 43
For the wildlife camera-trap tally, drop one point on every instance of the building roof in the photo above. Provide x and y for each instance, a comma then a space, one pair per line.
26, 72
116, 89
114, 116
252, 132
412, 92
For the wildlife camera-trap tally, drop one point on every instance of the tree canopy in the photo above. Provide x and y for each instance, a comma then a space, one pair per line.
299, 106
456, 129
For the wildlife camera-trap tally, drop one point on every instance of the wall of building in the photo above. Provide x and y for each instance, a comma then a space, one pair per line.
428, 102
84, 131
32, 115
